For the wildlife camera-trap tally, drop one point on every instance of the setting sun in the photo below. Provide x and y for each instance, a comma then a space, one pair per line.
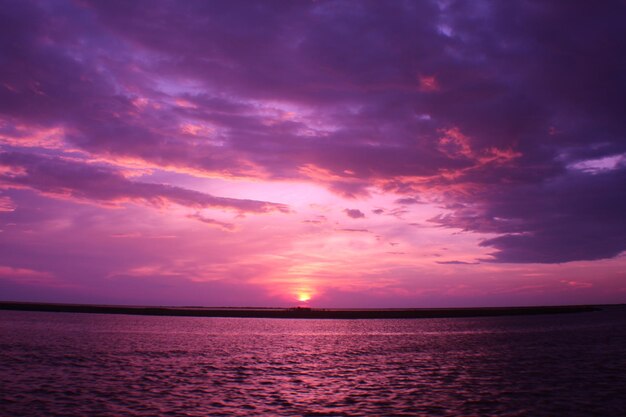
303, 297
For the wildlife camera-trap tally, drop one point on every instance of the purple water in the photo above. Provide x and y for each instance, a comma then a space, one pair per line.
61, 364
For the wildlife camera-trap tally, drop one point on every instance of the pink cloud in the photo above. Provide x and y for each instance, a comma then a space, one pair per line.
6, 204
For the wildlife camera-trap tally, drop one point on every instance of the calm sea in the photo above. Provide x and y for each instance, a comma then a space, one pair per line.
62, 364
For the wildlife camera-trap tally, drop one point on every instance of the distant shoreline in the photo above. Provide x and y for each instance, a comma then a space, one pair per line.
297, 313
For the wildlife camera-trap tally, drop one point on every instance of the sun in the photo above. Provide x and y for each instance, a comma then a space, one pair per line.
303, 297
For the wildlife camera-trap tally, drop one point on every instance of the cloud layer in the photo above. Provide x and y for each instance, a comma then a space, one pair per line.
86, 182
504, 120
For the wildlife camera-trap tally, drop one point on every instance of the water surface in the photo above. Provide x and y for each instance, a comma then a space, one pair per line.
86, 364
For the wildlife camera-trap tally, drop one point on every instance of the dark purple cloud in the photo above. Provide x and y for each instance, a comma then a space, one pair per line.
500, 98
355, 230
408, 201
212, 222
573, 217
354, 213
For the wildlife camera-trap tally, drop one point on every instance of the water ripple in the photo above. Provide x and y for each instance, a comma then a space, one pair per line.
79, 364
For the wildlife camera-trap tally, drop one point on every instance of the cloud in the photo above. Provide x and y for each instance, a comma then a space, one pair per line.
82, 181
577, 284
408, 201
212, 222
456, 263
578, 216
28, 276
451, 99
6, 204
354, 213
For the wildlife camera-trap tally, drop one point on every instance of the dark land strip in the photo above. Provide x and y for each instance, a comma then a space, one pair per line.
298, 312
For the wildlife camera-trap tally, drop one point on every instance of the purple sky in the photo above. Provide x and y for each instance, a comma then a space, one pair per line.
340, 153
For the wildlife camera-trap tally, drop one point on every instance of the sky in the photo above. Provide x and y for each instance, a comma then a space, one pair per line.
321, 153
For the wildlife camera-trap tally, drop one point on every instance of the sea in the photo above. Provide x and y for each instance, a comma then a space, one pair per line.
69, 364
